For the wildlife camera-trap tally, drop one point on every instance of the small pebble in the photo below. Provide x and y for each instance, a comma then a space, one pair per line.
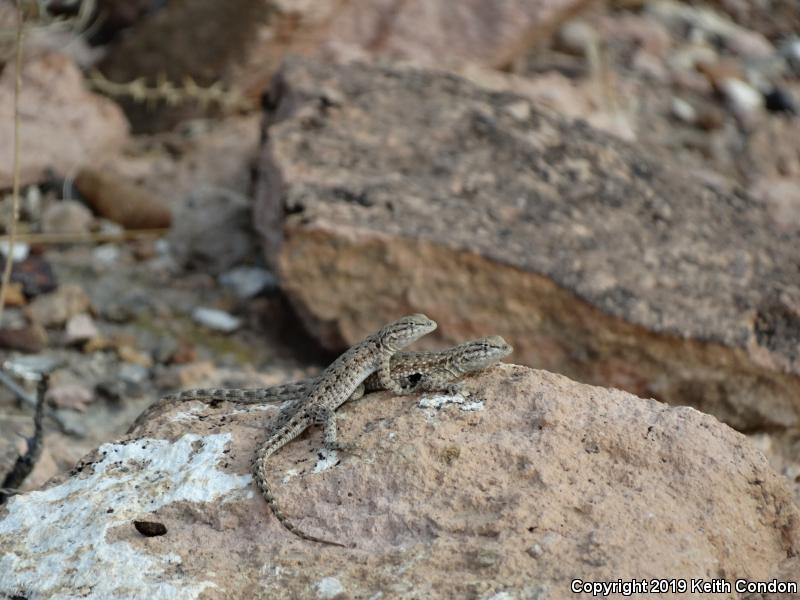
67, 216
743, 98
215, 319
535, 551
247, 282
80, 328
133, 356
791, 50
576, 37
20, 253
106, 254
683, 110
520, 111
72, 396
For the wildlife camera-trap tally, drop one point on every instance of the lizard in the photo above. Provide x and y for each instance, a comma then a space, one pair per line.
415, 371
331, 389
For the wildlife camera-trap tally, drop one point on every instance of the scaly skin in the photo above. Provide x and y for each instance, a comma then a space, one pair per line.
414, 371
332, 389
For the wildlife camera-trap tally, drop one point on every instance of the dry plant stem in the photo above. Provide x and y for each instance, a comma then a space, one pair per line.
15, 186
25, 463
76, 238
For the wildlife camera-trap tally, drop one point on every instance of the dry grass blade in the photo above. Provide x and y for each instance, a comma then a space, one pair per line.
12, 229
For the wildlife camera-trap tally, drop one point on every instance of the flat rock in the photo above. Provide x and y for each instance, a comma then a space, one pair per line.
547, 481
385, 191
62, 125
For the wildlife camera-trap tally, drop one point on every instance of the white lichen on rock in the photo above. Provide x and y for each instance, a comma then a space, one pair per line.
55, 542
329, 587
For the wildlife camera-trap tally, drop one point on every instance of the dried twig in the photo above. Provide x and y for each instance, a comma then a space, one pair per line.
15, 185
25, 463
76, 238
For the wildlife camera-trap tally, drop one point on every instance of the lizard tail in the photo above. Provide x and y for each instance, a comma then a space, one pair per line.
261, 481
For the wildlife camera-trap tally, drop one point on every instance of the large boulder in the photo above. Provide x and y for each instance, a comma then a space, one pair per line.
528, 483
391, 190
62, 125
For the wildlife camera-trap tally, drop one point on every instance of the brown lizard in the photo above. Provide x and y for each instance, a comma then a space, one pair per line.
332, 389
414, 371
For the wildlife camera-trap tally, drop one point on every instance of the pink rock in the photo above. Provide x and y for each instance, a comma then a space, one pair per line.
70, 395
80, 328
63, 124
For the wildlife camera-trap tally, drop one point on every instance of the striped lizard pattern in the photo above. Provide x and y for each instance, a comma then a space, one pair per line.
332, 389
414, 371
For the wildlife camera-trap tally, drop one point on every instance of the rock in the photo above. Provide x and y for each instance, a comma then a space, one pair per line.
56, 308
14, 296
592, 259
683, 110
782, 197
714, 27
35, 275
775, 19
122, 201
32, 338
743, 99
194, 374
216, 319
776, 143
80, 328
106, 255
549, 481
577, 37
131, 355
67, 216
73, 396
31, 368
19, 252
791, 50
426, 32
212, 230
430, 32
247, 282
63, 125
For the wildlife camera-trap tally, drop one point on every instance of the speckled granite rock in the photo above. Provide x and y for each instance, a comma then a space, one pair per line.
386, 191
528, 482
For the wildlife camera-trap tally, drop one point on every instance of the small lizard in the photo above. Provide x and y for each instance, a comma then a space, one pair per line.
414, 371
332, 389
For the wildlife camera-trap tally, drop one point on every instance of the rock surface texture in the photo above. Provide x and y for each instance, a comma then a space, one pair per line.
62, 125
385, 191
528, 482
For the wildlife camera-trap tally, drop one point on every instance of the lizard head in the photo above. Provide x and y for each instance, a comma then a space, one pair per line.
480, 353
405, 331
